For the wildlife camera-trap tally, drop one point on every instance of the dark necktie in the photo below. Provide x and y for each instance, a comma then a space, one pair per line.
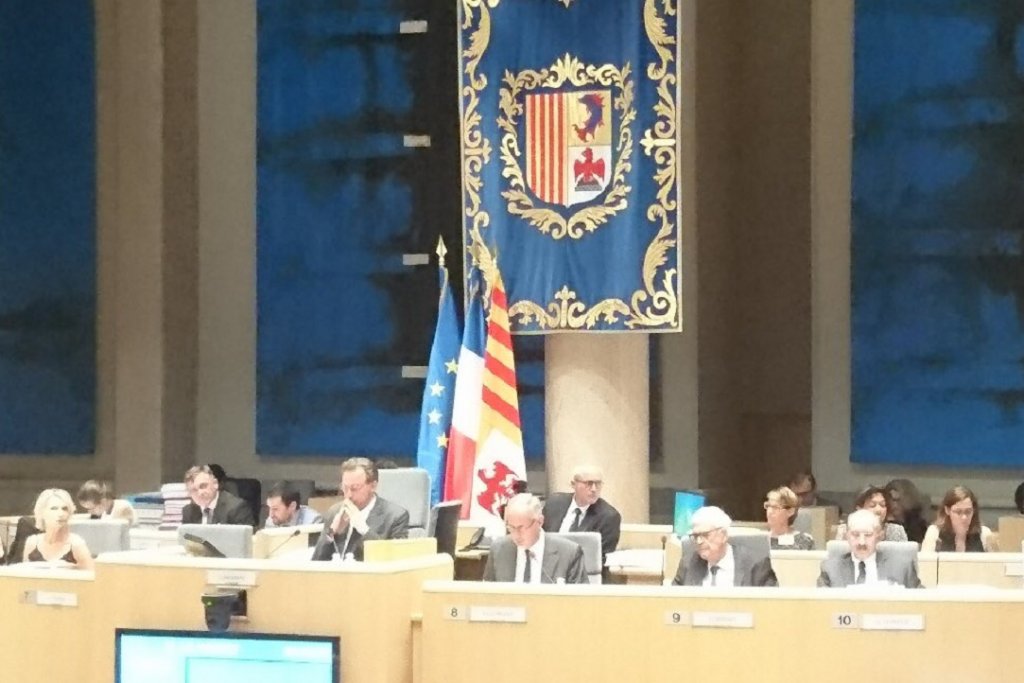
714, 575
576, 514
207, 515
526, 567
862, 572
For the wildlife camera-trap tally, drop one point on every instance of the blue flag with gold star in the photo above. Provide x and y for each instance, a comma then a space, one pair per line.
570, 158
439, 392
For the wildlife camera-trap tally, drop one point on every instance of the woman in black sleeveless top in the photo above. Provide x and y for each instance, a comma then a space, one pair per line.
53, 511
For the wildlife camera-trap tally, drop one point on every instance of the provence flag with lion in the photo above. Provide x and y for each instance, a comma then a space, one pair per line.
570, 160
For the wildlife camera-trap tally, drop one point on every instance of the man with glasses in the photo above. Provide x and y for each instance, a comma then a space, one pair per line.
715, 562
584, 509
805, 486
360, 516
527, 554
865, 563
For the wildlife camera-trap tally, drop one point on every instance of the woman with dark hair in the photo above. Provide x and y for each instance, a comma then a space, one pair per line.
958, 525
906, 508
876, 500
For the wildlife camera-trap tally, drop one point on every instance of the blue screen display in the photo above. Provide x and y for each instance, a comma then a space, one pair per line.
201, 657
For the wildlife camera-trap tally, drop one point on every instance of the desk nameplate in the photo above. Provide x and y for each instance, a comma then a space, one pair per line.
492, 614
231, 577
892, 622
723, 620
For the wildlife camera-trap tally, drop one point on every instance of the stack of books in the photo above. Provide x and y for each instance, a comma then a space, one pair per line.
149, 509
175, 499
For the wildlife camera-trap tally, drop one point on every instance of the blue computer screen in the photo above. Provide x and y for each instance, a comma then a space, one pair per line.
151, 656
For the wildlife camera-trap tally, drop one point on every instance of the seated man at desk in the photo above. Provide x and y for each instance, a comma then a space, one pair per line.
283, 508
209, 504
716, 562
527, 554
865, 563
584, 509
362, 515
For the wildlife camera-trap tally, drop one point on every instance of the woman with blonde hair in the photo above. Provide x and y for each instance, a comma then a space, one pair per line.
957, 526
780, 508
53, 511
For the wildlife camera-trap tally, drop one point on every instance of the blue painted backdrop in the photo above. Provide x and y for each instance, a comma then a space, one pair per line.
339, 200
938, 215
47, 227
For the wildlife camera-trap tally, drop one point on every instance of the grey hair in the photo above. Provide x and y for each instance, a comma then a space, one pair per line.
712, 516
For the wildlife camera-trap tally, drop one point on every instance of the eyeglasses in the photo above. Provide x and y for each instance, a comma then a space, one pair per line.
520, 528
698, 536
590, 483
962, 512
776, 506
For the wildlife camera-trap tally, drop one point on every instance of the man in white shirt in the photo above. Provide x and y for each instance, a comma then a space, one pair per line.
527, 554
362, 515
584, 509
865, 563
715, 562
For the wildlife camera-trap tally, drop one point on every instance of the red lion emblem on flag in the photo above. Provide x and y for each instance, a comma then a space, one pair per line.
498, 480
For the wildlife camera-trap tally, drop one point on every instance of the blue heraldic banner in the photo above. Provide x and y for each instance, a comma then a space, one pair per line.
570, 153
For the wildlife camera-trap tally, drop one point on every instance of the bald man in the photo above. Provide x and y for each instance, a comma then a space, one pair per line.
584, 509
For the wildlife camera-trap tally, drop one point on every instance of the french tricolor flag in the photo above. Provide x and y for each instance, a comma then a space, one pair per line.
458, 474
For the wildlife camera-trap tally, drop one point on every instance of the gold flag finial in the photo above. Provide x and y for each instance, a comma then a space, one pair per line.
441, 250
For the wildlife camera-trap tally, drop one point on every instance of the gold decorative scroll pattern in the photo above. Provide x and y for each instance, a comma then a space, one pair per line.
568, 68
654, 306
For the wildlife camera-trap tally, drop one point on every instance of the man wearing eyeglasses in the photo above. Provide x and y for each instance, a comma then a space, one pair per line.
865, 563
717, 563
584, 509
527, 554
360, 516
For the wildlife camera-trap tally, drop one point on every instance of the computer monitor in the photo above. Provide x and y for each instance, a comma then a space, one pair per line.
157, 656
102, 535
216, 540
444, 525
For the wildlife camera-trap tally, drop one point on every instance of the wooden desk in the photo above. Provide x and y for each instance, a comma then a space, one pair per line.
631, 633
49, 642
995, 570
368, 604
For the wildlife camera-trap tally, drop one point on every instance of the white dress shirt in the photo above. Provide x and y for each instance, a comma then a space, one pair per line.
870, 569
536, 560
211, 507
352, 523
726, 574
570, 516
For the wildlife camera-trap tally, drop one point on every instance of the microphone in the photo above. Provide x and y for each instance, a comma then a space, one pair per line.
664, 542
293, 534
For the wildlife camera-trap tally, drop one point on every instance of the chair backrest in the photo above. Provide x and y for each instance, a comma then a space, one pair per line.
216, 540
444, 525
102, 535
1011, 532
249, 490
908, 549
26, 528
410, 488
590, 541
816, 521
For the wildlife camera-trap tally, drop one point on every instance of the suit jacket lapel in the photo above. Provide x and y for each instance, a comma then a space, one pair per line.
741, 567
549, 565
846, 570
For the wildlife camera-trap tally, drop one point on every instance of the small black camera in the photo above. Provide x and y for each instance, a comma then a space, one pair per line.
221, 606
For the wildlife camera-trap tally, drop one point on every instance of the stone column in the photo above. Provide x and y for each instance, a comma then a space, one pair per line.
597, 411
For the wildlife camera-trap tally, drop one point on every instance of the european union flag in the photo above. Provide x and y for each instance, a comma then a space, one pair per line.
439, 392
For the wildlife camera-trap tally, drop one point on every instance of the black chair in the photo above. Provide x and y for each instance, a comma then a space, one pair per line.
26, 528
249, 490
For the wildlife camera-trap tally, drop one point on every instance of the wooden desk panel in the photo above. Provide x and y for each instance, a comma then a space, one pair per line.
627, 634
46, 642
369, 605
995, 570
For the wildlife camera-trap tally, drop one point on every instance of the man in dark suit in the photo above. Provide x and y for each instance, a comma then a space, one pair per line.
361, 516
209, 504
527, 554
584, 509
716, 562
865, 563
